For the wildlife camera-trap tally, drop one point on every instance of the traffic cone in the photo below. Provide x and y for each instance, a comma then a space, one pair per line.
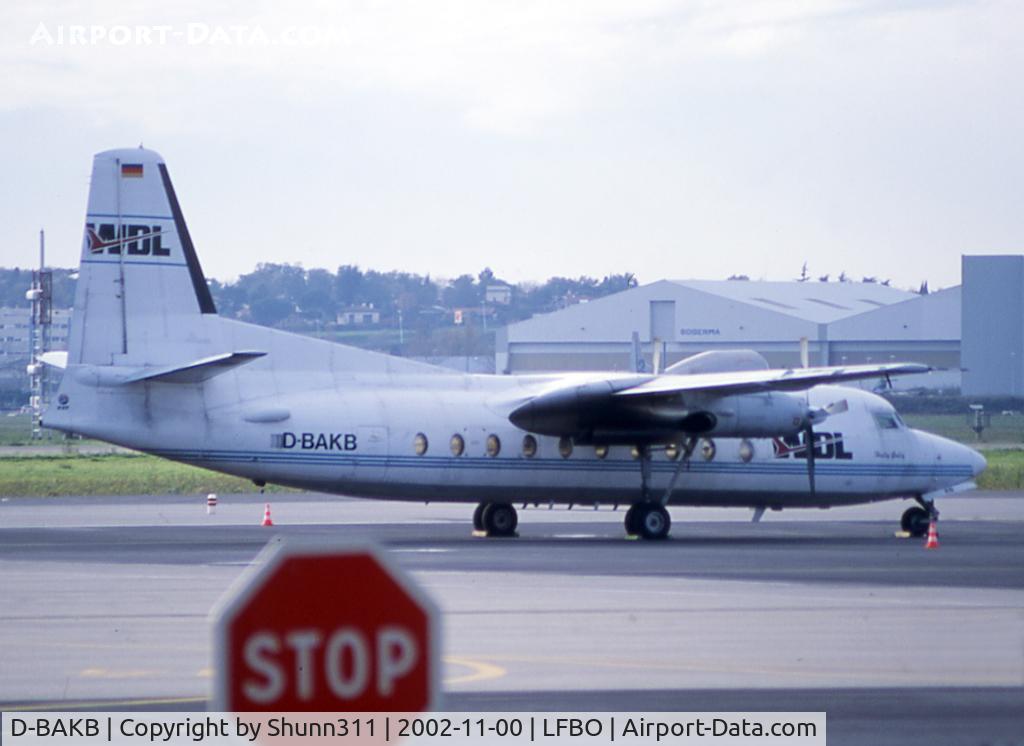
266, 516
933, 536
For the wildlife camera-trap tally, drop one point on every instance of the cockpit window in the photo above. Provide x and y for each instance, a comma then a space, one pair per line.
887, 420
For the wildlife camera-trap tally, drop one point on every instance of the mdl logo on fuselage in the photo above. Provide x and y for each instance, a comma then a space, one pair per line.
826, 445
137, 239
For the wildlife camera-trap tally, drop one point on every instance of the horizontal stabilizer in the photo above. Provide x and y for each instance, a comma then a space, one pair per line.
197, 370
55, 359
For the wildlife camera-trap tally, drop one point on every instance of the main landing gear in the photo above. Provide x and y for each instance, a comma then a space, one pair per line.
915, 520
648, 520
495, 519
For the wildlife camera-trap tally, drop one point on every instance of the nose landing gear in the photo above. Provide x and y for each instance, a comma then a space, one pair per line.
915, 520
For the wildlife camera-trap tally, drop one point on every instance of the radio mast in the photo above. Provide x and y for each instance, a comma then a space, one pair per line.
41, 297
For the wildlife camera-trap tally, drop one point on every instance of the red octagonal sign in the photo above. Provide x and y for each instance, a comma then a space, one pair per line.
326, 629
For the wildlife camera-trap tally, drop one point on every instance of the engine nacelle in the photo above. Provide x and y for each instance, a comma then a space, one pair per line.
761, 415
591, 413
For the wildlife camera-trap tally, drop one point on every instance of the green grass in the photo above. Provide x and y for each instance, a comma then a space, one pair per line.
1003, 429
1005, 470
16, 430
119, 474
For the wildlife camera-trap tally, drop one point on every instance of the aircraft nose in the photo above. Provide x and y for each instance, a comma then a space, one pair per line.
977, 461
952, 453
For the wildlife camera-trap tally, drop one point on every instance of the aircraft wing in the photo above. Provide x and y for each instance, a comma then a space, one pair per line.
750, 381
634, 409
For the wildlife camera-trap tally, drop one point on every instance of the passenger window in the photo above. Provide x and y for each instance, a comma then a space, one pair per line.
529, 446
458, 445
420, 444
493, 445
565, 447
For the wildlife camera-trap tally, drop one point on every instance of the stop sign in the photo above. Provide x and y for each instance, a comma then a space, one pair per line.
325, 629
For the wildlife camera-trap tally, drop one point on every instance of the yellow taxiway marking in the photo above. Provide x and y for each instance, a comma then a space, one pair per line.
106, 704
900, 678
480, 670
106, 673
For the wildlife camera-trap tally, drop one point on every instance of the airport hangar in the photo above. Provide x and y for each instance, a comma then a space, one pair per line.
845, 323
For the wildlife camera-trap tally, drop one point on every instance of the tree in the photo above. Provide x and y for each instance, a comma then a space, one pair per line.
461, 293
803, 274
270, 311
347, 284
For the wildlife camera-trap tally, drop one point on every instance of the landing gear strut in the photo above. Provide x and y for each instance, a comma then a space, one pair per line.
495, 519
648, 518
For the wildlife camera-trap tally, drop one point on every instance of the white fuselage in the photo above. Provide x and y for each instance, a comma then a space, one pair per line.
356, 435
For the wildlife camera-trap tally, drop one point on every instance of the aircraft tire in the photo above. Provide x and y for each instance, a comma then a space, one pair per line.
500, 519
915, 521
632, 526
478, 517
653, 521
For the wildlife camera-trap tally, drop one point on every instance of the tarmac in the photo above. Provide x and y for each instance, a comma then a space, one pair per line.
106, 602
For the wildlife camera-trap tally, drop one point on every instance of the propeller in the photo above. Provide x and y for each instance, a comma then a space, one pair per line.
816, 417
805, 362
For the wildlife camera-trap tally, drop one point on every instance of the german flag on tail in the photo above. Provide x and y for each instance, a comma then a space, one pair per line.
131, 170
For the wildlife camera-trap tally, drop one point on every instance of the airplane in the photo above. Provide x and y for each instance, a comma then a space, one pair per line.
153, 367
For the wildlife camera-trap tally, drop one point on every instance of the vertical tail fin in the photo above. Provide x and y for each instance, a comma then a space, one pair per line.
140, 285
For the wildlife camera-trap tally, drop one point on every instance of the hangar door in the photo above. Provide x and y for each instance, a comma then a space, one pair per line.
663, 320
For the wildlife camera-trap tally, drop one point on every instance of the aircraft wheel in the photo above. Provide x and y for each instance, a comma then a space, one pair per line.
500, 519
915, 521
632, 525
653, 521
478, 517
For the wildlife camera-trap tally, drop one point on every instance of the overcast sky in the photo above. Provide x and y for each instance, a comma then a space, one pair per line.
669, 139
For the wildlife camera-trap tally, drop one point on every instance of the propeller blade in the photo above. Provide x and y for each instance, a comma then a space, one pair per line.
811, 448
817, 416
838, 407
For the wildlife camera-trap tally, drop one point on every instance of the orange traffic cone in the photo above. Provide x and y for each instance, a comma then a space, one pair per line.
266, 516
933, 536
